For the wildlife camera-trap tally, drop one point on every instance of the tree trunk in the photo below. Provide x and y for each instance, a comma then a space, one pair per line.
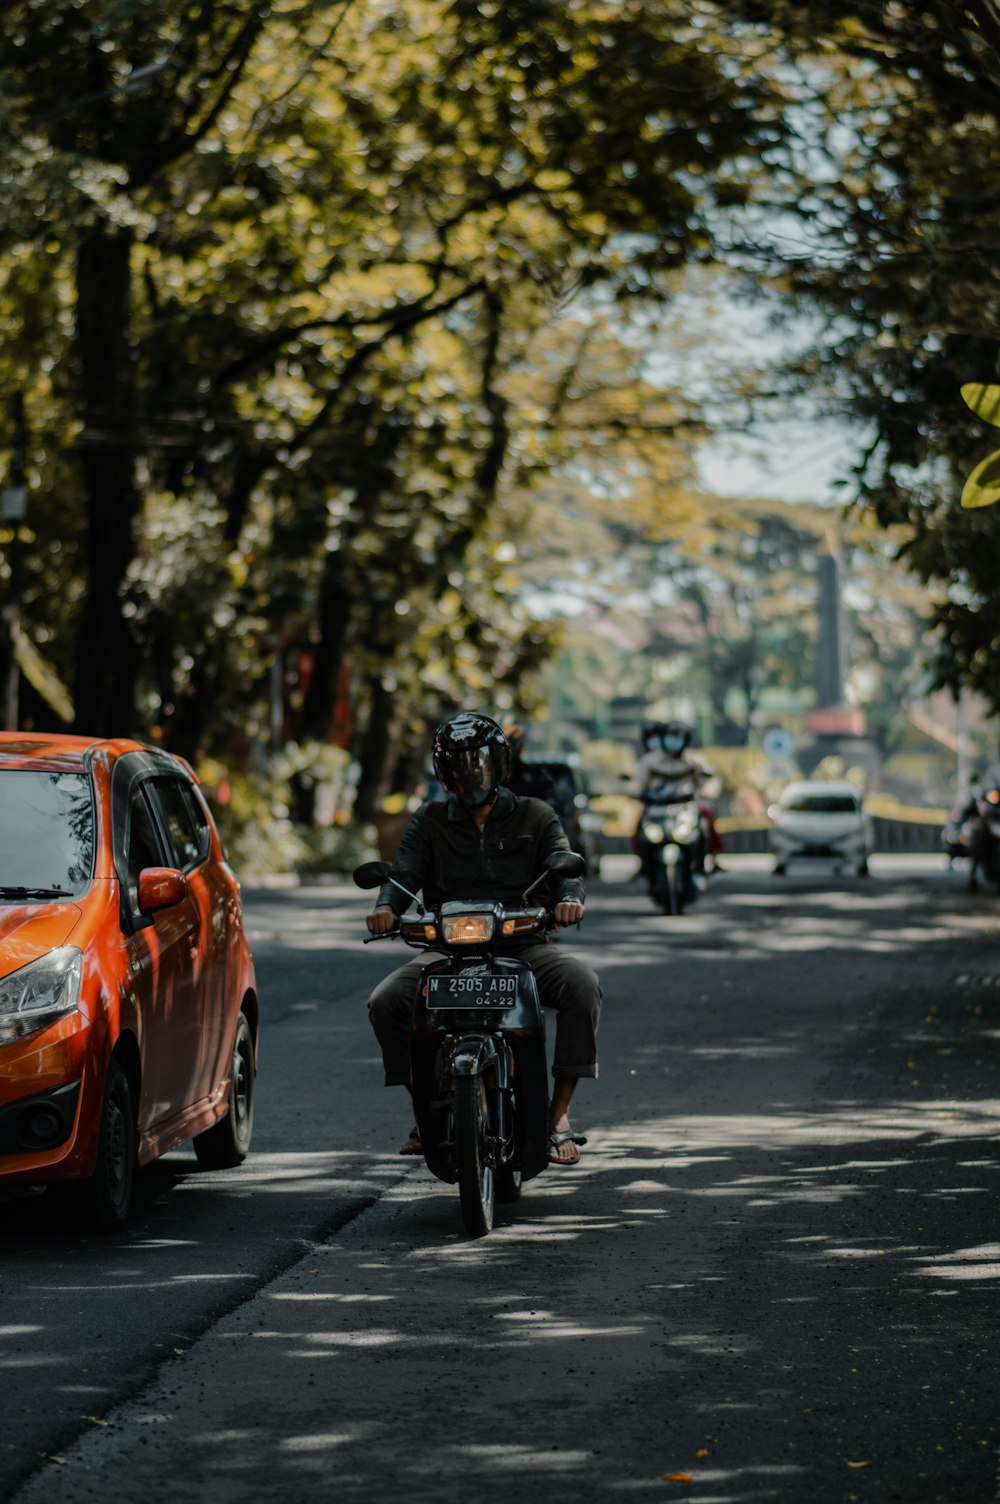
105, 672
336, 602
373, 755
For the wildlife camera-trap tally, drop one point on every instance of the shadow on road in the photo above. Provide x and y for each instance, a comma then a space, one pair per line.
772, 1277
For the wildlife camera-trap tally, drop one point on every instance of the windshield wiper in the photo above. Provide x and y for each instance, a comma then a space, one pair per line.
14, 892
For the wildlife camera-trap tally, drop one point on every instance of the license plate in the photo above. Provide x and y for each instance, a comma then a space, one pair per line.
461, 990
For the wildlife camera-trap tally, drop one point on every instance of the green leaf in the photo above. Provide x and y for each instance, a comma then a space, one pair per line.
982, 488
984, 401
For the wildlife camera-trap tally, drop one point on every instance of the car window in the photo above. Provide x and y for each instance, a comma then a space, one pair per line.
185, 822
202, 824
821, 804
47, 836
142, 839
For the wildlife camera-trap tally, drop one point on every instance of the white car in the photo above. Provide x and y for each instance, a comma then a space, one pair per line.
824, 819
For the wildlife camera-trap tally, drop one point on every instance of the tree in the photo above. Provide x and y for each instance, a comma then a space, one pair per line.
293, 256
886, 225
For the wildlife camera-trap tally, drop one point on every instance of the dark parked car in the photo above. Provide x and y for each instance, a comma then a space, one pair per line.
582, 826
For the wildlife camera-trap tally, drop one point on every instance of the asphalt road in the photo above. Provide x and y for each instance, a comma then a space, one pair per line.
773, 1276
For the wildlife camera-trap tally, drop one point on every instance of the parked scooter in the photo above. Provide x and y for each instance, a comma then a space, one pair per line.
477, 1054
671, 845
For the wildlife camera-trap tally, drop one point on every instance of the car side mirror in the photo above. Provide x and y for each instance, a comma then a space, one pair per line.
160, 888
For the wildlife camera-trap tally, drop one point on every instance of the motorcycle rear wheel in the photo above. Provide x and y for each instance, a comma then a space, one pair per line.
476, 1183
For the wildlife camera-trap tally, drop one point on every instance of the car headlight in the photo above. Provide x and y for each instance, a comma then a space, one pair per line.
38, 994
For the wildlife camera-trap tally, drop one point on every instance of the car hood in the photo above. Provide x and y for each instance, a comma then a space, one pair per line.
30, 930
816, 824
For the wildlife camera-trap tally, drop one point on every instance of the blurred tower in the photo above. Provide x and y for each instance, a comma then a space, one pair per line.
830, 660
838, 728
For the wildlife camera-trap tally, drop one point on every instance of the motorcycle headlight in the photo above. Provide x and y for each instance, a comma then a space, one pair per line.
654, 834
38, 994
468, 929
686, 826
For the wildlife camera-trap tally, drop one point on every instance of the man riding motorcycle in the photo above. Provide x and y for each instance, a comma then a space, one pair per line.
670, 764
484, 841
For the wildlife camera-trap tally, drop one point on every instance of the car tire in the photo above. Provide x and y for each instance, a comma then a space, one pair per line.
101, 1202
779, 869
862, 869
227, 1143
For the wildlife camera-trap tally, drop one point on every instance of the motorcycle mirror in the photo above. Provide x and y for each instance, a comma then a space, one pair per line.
374, 874
567, 863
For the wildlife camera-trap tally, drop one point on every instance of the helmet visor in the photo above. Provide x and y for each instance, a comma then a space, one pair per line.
471, 773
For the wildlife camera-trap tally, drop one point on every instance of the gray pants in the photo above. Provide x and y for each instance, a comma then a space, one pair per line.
565, 983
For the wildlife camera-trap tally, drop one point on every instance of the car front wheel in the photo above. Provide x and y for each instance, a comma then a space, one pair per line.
101, 1202
227, 1143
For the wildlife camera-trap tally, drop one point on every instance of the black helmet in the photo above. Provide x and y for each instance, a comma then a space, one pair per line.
471, 757
675, 737
666, 736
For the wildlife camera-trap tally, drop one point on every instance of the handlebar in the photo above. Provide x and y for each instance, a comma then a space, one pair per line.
392, 934
549, 922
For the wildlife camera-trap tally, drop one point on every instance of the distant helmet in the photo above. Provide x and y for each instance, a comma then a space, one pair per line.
471, 757
666, 736
675, 737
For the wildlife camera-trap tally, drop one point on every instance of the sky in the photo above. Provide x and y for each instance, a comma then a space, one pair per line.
715, 338
790, 461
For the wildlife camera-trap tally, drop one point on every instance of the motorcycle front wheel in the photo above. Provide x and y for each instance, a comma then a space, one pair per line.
667, 890
476, 1186
508, 1183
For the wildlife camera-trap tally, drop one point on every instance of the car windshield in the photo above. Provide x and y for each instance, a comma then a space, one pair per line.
46, 834
821, 804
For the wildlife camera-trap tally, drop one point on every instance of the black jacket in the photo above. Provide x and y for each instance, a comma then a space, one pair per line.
449, 856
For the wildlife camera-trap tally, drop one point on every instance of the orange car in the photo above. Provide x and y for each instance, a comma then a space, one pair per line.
128, 1002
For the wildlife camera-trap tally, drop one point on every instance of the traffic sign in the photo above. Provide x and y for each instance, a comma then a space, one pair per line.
777, 744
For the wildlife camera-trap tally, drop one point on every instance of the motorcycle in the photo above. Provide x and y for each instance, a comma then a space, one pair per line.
477, 1053
671, 843
973, 832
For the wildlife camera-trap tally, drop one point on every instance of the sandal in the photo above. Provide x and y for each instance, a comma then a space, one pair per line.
412, 1144
565, 1136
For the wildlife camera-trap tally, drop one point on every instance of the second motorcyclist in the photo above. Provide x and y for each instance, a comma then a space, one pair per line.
669, 764
483, 841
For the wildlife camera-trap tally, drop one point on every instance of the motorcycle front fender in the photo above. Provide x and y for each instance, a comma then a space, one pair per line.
671, 854
474, 1055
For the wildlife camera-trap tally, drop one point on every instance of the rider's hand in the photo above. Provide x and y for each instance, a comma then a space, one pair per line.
567, 913
381, 920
